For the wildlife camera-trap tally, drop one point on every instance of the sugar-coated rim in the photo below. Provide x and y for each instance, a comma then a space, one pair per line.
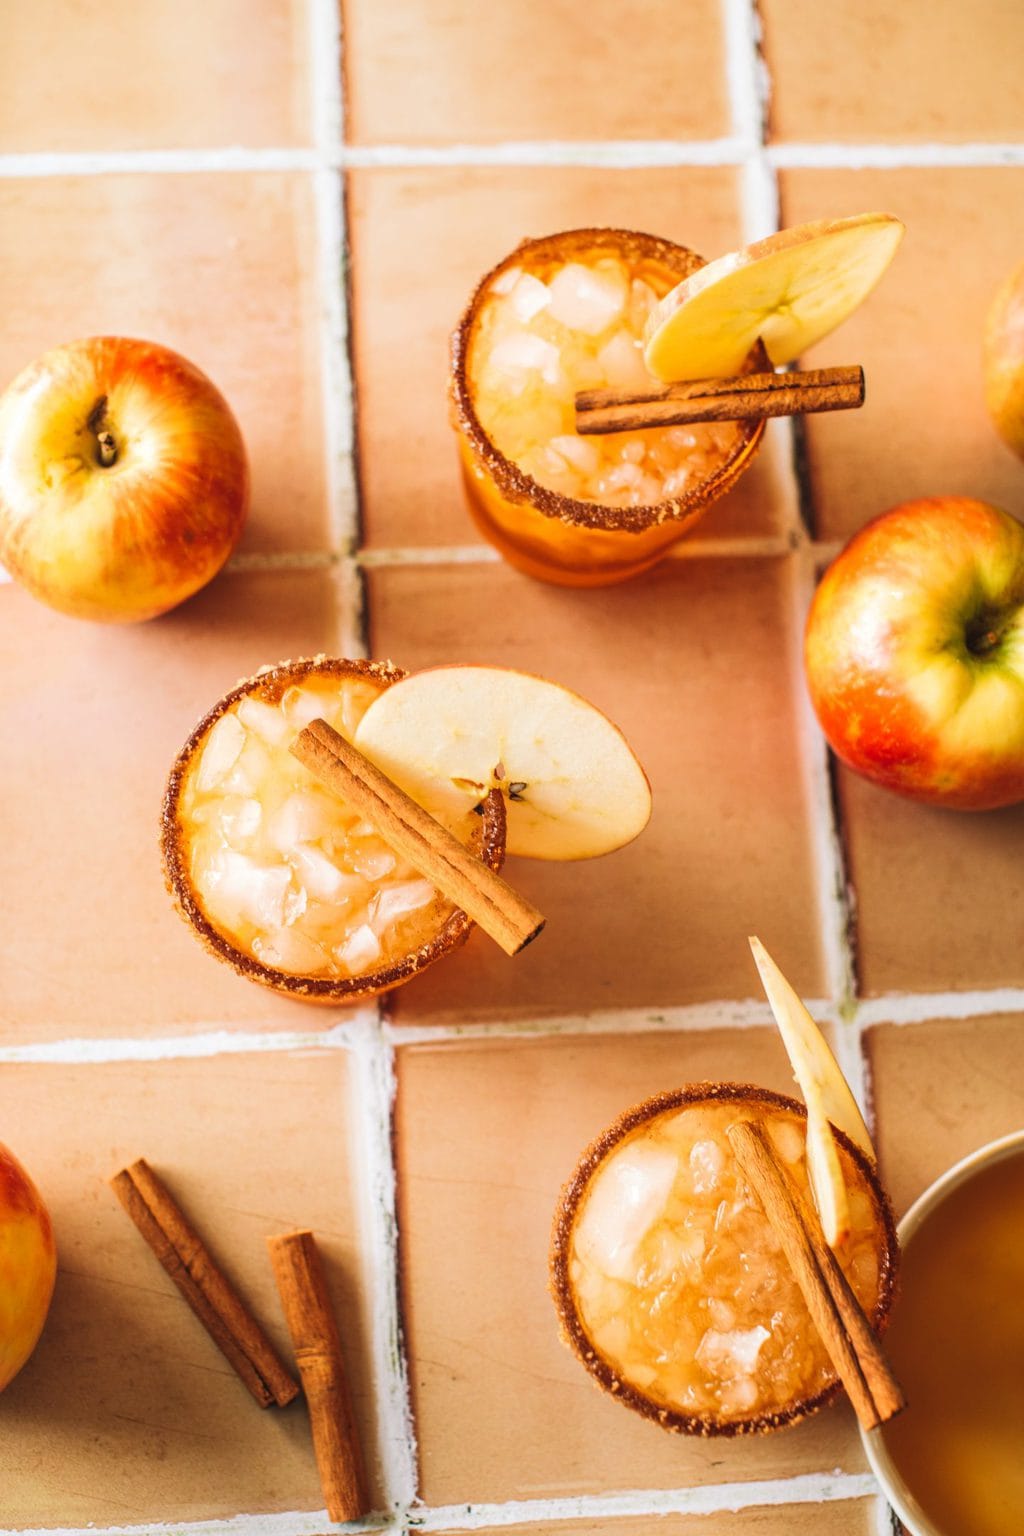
573, 1331
269, 683
517, 486
900, 1496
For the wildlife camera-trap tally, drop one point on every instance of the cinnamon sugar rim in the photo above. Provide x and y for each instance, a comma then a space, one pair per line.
514, 483
576, 1336
269, 683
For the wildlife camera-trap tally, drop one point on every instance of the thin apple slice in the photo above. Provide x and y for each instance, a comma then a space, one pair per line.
573, 787
789, 290
826, 1093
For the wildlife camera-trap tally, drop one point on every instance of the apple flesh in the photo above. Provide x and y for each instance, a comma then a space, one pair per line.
124, 482
1004, 361
914, 653
28, 1266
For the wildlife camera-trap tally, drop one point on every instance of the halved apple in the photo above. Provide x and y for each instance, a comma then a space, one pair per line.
572, 785
789, 291
826, 1093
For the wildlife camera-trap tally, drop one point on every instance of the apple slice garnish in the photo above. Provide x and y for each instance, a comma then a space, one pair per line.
448, 735
789, 291
826, 1093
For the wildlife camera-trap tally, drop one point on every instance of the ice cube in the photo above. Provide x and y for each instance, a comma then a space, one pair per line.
304, 816
586, 300
707, 1160
519, 353
373, 861
788, 1139
267, 722
623, 477
321, 879
239, 819
632, 451
626, 1198
581, 455
739, 1395
251, 769
622, 363
528, 298
288, 949
506, 281
237, 888
360, 950
395, 901
220, 753
722, 1315
732, 1353
301, 705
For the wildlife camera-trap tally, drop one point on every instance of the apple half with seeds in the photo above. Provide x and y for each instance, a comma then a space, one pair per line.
449, 735
281, 878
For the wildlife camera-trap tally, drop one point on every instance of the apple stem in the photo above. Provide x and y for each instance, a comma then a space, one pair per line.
107, 449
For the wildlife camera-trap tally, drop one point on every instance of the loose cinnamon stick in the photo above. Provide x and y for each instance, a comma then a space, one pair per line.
299, 1273
205, 1287
750, 397
405, 826
847, 1334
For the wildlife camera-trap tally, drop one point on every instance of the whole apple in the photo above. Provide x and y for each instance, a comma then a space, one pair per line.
28, 1266
124, 482
914, 653
1004, 361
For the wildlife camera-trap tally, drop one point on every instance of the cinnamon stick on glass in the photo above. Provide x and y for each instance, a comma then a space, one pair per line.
208, 1291
846, 1333
747, 397
299, 1273
405, 826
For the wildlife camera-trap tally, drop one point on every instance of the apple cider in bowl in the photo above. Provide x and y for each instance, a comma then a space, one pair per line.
280, 877
670, 1284
564, 314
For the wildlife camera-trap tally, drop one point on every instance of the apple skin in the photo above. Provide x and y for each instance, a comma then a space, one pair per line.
1004, 361
131, 540
28, 1266
914, 653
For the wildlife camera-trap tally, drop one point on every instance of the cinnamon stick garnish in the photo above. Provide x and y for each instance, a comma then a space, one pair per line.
411, 831
747, 397
205, 1287
299, 1273
852, 1343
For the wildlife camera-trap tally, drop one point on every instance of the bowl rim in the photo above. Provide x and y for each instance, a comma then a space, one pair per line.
513, 483
894, 1488
323, 989
575, 1335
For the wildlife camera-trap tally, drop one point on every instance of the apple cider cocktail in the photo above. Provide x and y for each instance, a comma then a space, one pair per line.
560, 315
671, 1284
279, 875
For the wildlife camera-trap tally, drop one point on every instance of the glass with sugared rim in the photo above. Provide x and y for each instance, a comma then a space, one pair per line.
559, 315
278, 876
670, 1285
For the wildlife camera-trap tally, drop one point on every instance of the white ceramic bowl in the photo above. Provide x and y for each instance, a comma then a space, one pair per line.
895, 1489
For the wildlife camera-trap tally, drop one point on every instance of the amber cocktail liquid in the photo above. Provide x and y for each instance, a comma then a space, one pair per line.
957, 1345
671, 1283
560, 315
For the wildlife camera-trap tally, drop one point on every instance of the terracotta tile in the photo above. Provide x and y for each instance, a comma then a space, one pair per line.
863, 72
221, 267
924, 430
459, 222
727, 851
420, 74
487, 1133
144, 77
93, 716
941, 1090
127, 1412
933, 891
852, 1517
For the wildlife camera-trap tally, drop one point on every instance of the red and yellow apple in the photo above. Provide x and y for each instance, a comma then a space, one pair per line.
914, 653
124, 482
1004, 361
28, 1266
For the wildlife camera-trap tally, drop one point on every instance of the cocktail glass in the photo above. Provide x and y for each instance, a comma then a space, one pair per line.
558, 315
670, 1285
280, 878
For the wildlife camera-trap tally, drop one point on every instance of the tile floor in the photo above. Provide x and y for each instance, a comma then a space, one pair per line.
305, 220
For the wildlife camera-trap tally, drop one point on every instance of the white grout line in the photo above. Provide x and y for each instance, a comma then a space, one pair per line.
218, 1041
713, 1498
636, 154
938, 1007
373, 1092
689, 1018
429, 554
